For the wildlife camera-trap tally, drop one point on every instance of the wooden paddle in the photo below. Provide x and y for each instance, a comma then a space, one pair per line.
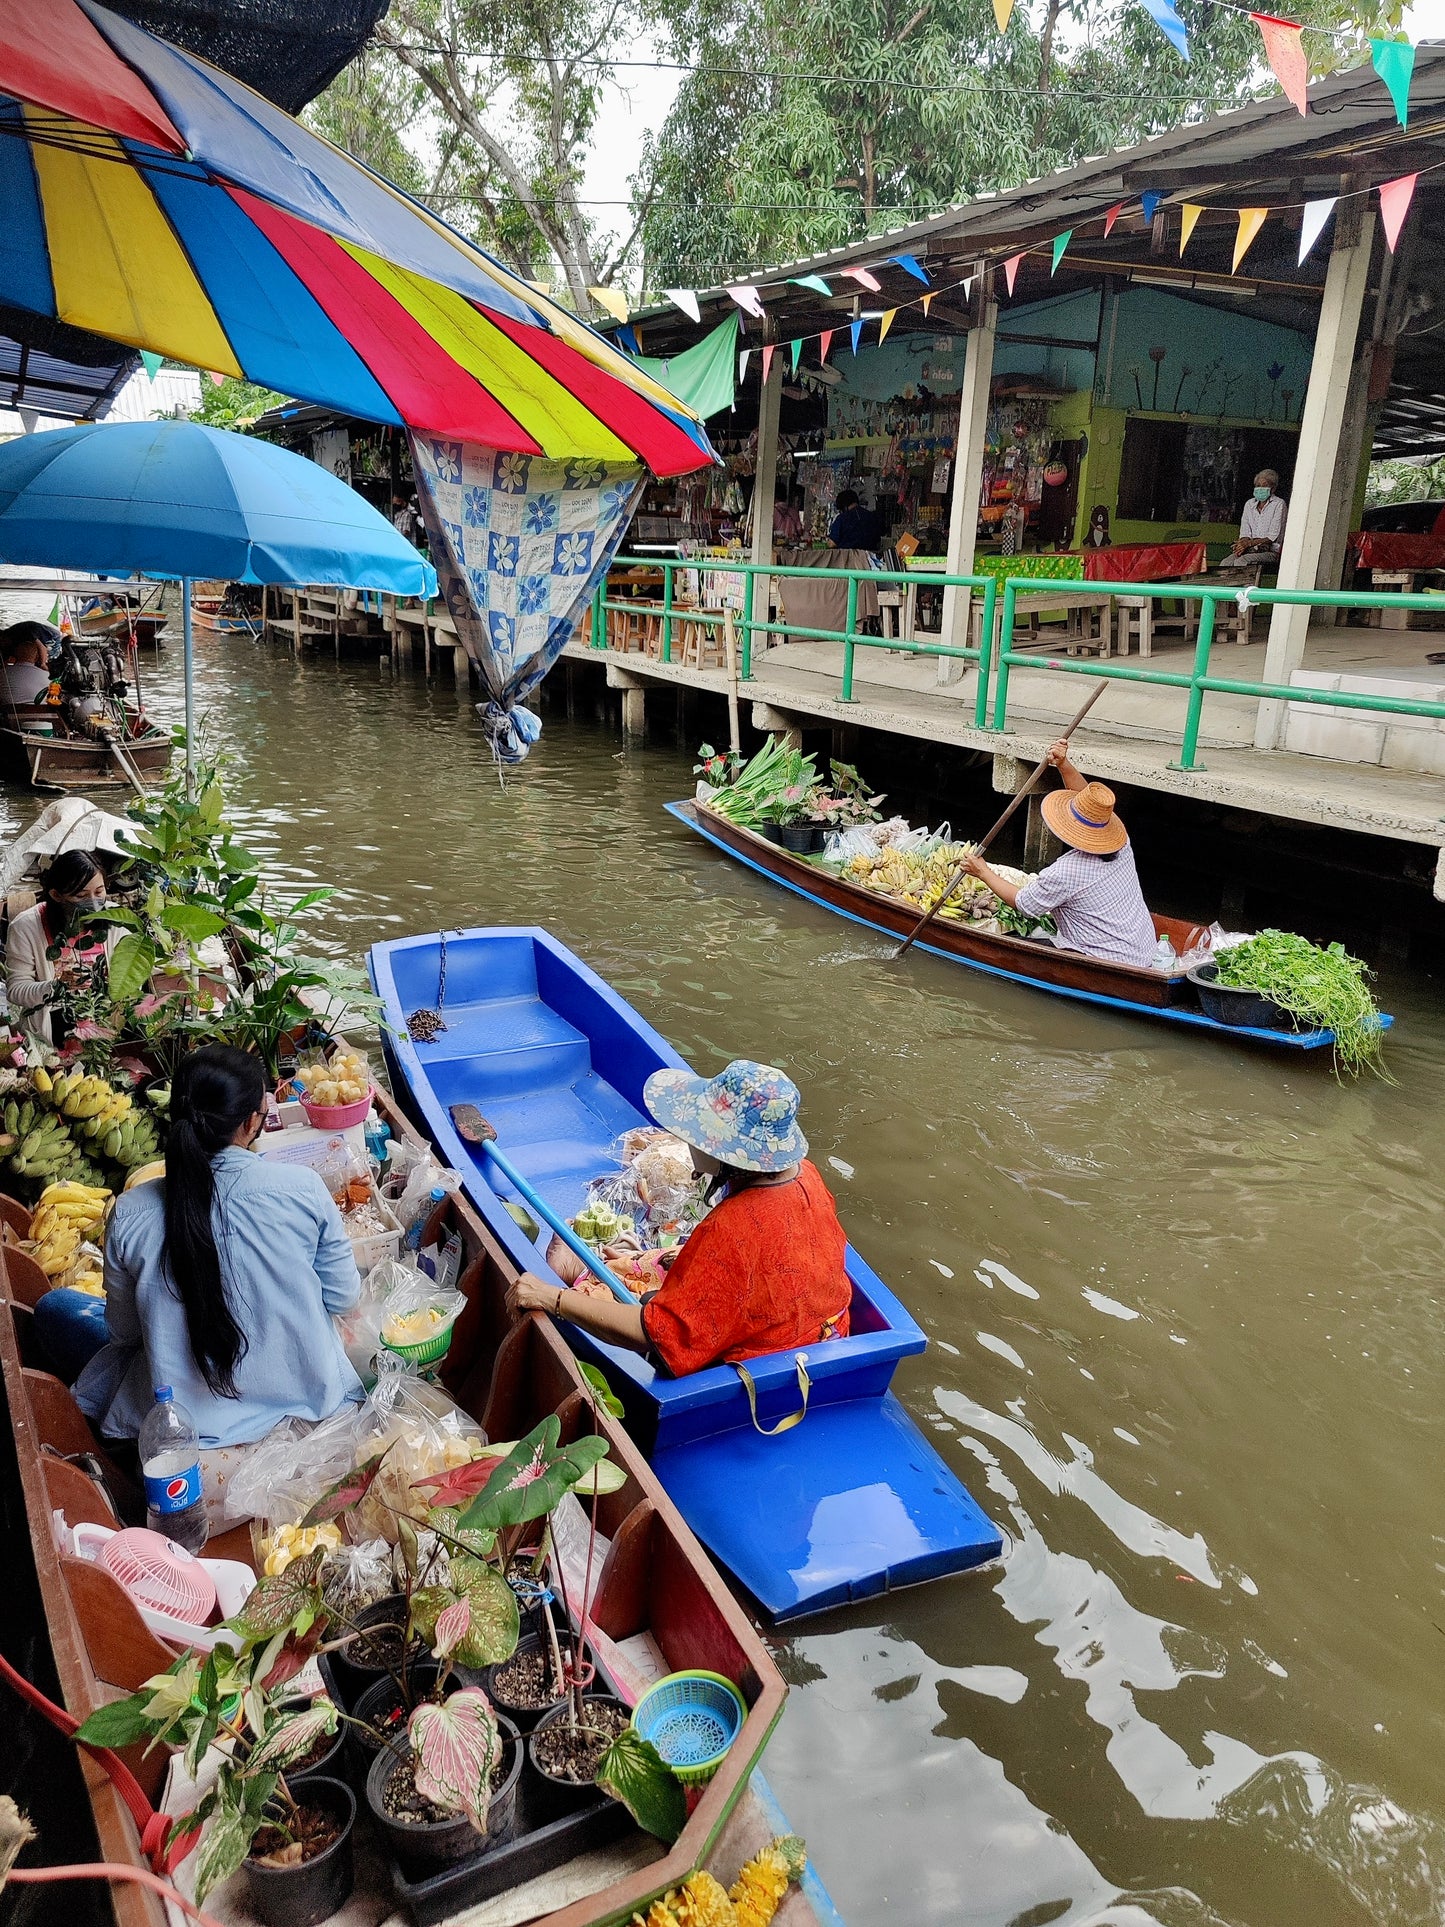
954, 880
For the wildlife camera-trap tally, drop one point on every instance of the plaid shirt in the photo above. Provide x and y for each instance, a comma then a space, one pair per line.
1097, 906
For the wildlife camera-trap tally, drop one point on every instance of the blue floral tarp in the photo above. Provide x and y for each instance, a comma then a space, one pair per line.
519, 544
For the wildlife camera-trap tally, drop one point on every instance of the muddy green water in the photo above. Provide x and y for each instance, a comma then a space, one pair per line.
1186, 1330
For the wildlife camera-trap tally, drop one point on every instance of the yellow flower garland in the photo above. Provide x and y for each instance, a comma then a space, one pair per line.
757, 1893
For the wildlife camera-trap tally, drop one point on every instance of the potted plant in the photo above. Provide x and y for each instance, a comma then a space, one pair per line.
294, 1841
791, 811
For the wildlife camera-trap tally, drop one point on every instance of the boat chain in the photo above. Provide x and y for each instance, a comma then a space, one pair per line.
424, 1025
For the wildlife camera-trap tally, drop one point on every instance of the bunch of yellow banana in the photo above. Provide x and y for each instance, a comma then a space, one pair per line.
90, 1101
67, 1215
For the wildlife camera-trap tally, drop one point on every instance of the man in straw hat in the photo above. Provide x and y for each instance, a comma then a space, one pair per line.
1092, 892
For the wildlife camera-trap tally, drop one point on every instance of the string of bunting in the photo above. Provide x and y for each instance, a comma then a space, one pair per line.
1395, 198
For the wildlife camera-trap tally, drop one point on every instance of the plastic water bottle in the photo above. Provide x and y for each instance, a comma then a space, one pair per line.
418, 1223
1164, 957
170, 1458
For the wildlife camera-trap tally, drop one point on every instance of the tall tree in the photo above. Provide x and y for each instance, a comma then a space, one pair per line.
517, 86
807, 123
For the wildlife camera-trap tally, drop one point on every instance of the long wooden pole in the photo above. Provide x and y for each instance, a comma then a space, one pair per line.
953, 881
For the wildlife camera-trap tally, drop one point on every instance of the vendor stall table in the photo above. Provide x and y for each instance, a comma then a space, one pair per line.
1144, 562
1396, 549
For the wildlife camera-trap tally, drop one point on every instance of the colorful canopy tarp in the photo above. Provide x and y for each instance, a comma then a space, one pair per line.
152, 199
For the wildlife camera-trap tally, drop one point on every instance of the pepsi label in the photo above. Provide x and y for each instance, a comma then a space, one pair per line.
175, 1492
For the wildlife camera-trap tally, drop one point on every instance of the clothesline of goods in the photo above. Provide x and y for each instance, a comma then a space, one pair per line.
838, 825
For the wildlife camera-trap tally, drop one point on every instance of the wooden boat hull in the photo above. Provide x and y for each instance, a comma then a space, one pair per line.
78, 762
1043, 966
655, 1580
850, 1503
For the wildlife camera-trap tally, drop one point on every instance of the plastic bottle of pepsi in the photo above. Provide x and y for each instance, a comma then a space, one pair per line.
170, 1460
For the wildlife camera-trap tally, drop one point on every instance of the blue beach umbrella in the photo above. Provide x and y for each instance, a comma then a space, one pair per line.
179, 501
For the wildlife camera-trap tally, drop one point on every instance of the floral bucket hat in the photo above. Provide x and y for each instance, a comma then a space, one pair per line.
746, 1116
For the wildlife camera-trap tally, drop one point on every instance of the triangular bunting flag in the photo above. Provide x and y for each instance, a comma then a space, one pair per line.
218, 379
1061, 241
613, 300
1109, 219
797, 352
813, 281
767, 361
685, 299
1313, 216
885, 324
1169, 24
855, 328
152, 362
1284, 50
1011, 271
1395, 199
630, 339
825, 342
743, 366
910, 264
866, 278
1394, 62
1191, 212
927, 299
748, 299
1251, 220
1149, 203
1002, 11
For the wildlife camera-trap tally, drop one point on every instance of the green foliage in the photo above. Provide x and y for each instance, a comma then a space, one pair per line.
534, 1477
234, 404
1389, 482
634, 1770
493, 1621
1321, 989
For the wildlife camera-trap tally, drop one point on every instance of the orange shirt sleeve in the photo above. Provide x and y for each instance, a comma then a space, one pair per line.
694, 1318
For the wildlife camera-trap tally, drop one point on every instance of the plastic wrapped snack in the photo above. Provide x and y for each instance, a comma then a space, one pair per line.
417, 1310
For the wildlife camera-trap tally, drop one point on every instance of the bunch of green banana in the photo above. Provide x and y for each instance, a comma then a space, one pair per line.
46, 1150
134, 1140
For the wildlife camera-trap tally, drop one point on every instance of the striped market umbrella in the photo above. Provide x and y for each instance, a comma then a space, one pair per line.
150, 198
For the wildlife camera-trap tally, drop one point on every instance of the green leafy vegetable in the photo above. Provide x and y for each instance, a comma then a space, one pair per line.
634, 1770
1320, 989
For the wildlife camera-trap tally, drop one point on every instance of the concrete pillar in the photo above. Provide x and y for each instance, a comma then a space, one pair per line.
634, 712
1321, 424
779, 722
968, 470
1041, 846
765, 484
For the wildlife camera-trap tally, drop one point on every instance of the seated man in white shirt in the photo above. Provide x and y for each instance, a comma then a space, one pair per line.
1261, 526
22, 680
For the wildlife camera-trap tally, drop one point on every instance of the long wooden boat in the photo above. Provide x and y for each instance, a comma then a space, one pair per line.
656, 1587
1023, 960
55, 758
215, 606
851, 1502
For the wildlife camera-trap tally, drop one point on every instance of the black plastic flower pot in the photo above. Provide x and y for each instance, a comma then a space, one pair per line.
802, 839
313, 1890
553, 1794
352, 1676
770, 832
433, 1843
524, 1718
381, 1698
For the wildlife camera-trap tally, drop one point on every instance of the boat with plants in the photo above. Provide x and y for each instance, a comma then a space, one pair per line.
826, 842
845, 1502
463, 1619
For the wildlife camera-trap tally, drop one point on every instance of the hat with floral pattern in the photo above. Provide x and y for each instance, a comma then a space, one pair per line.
745, 1116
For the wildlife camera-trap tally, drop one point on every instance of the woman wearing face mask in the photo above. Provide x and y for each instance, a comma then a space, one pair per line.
54, 942
1261, 526
222, 1280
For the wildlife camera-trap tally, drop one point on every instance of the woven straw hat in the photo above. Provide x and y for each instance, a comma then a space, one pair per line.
1085, 819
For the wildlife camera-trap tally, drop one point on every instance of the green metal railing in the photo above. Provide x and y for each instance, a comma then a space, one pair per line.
997, 659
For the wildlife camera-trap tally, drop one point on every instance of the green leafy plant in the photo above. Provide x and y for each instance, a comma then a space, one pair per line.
1321, 989
635, 1772
455, 1746
754, 795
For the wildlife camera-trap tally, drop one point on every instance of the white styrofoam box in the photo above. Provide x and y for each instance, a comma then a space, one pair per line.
1420, 750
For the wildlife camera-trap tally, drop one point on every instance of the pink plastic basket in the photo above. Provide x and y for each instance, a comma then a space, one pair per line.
336, 1117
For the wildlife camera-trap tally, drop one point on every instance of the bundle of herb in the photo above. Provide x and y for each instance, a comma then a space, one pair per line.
1321, 990
758, 792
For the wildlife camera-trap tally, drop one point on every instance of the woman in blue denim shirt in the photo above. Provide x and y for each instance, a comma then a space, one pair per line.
222, 1280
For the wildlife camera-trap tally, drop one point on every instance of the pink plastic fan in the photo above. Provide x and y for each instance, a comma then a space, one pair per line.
160, 1576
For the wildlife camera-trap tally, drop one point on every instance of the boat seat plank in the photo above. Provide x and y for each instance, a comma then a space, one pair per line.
75, 1495
123, 1650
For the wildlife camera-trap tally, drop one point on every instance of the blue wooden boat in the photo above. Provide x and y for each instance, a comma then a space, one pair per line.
851, 1502
1042, 966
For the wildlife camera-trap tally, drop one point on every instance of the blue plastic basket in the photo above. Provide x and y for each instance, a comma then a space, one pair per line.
692, 1719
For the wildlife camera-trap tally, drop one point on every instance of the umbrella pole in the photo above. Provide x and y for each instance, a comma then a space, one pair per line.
190, 690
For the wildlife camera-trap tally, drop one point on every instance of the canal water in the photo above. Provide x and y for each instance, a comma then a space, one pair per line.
1187, 1344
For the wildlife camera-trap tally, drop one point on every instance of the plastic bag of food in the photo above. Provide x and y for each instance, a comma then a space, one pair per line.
354, 1577
421, 1427
416, 1309
840, 846
424, 1177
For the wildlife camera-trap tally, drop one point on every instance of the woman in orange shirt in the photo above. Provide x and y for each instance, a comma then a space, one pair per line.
763, 1272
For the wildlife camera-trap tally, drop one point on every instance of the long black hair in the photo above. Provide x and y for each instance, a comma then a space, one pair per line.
214, 1092
70, 873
